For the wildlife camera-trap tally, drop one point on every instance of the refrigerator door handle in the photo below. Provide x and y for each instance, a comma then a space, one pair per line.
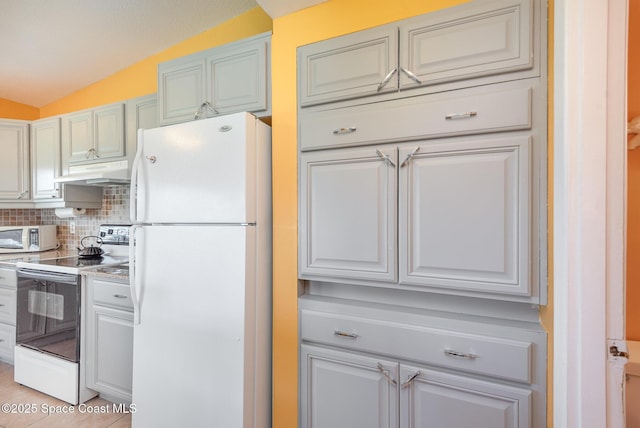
133, 197
133, 276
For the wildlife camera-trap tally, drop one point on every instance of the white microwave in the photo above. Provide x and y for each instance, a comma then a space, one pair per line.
23, 239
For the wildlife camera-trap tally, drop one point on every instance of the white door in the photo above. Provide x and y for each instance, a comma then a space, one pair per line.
189, 349
197, 172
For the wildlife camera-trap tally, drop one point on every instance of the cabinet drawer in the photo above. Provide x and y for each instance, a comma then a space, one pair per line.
112, 294
8, 277
8, 306
7, 342
487, 355
478, 110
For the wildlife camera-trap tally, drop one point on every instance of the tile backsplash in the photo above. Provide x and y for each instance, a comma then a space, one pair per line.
115, 210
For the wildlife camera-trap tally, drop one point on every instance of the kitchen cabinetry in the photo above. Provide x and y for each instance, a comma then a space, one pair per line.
422, 203
8, 291
93, 135
386, 368
14, 161
226, 79
45, 158
451, 215
109, 337
462, 46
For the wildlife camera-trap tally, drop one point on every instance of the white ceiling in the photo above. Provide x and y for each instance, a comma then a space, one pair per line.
51, 48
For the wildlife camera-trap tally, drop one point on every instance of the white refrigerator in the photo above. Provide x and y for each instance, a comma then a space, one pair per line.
200, 272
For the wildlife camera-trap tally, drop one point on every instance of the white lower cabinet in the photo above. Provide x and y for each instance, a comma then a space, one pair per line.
345, 390
8, 287
429, 398
109, 338
394, 367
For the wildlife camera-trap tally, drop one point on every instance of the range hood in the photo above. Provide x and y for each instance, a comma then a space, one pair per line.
98, 174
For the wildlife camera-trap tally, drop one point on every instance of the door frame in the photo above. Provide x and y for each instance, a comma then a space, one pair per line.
589, 205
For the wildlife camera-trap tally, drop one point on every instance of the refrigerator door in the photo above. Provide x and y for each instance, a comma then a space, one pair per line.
193, 363
197, 172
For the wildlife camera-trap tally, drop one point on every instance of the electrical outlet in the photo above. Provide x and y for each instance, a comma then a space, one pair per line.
72, 227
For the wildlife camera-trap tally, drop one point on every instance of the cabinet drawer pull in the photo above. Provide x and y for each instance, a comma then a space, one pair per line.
348, 130
386, 375
2, 305
345, 334
456, 354
411, 75
385, 157
386, 79
119, 296
411, 379
465, 115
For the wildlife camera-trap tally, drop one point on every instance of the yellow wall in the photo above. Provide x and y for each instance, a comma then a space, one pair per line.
334, 18
141, 78
12, 110
633, 183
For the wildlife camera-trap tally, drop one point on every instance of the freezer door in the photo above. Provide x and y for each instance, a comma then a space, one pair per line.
197, 172
193, 363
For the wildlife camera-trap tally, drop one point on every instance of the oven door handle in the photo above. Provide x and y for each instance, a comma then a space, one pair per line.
67, 278
133, 273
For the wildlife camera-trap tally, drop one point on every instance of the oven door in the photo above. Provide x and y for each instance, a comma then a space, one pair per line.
48, 313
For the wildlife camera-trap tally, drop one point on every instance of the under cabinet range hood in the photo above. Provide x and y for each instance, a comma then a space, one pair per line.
98, 174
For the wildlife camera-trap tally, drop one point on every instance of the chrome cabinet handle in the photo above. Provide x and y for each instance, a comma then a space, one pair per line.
385, 157
411, 75
385, 374
348, 130
22, 195
410, 380
465, 115
204, 107
456, 354
119, 296
409, 156
345, 334
386, 79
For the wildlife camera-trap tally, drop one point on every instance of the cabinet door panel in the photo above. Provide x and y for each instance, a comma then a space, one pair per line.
237, 78
77, 135
342, 390
347, 214
109, 131
45, 157
110, 351
181, 90
349, 66
436, 400
464, 215
467, 42
14, 162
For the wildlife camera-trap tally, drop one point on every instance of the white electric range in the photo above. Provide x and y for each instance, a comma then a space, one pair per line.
47, 352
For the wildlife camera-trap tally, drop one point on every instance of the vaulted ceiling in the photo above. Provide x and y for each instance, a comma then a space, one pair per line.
49, 49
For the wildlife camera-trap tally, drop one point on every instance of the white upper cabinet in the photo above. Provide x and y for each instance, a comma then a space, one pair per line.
457, 46
142, 113
226, 79
14, 161
45, 158
94, 135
